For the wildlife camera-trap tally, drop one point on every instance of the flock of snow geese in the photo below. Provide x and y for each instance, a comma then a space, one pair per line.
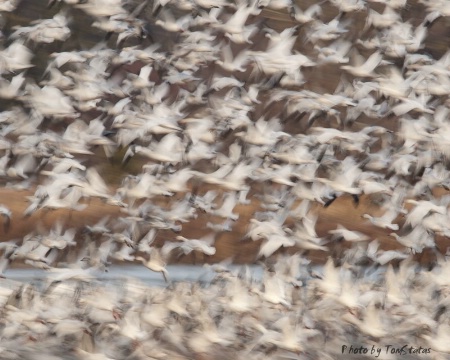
218, 108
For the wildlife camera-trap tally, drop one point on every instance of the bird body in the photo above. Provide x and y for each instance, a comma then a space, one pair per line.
366, 69
384, 221
371, 325
155, 263
348, 235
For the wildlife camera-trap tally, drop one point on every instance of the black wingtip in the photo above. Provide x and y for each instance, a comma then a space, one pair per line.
329, 202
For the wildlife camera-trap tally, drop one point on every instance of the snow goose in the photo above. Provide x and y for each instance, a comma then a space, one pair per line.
124, 237
421, 210
155, 95
330, 281
203, 245
199, 129
180, 211
263, 132
155, 315
378, 160
353, 236
274, 290
411, 103
307, 15
23, 166
46, 30
226, 210
15, 57
384, 221
281, 43
290, 338
8, 6
230, 63
96, 256
169, 149
305, 235
59, 239
234, 27
124, 254
350, 293
374, 186
394, 84
273, 242
169, 23
68, 327
278, 174
367, 68
384, 20
176, 304
437, 223
441, 339
344, 181
238, 297
265, 228
59, 107
440, 7
416, 240
249, 96
177, 182
349, 6
396, 288
226, 226
385, 257
231, 177
102, 8
334, 53
102, 306
206, 202
146, 242
131, 326
101, 227
155, 263
294, 153
66, 165
95, 186
220, 83
11, 89
320, 31
138, 189
372, 323
209, 334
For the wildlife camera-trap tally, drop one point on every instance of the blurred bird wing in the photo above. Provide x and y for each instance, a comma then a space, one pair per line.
372, 248
96, 181
209, 239
372, 61
372, 318
168, 247
309, 223
156, 256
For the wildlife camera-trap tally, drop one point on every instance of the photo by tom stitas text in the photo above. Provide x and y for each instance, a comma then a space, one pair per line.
377, 351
